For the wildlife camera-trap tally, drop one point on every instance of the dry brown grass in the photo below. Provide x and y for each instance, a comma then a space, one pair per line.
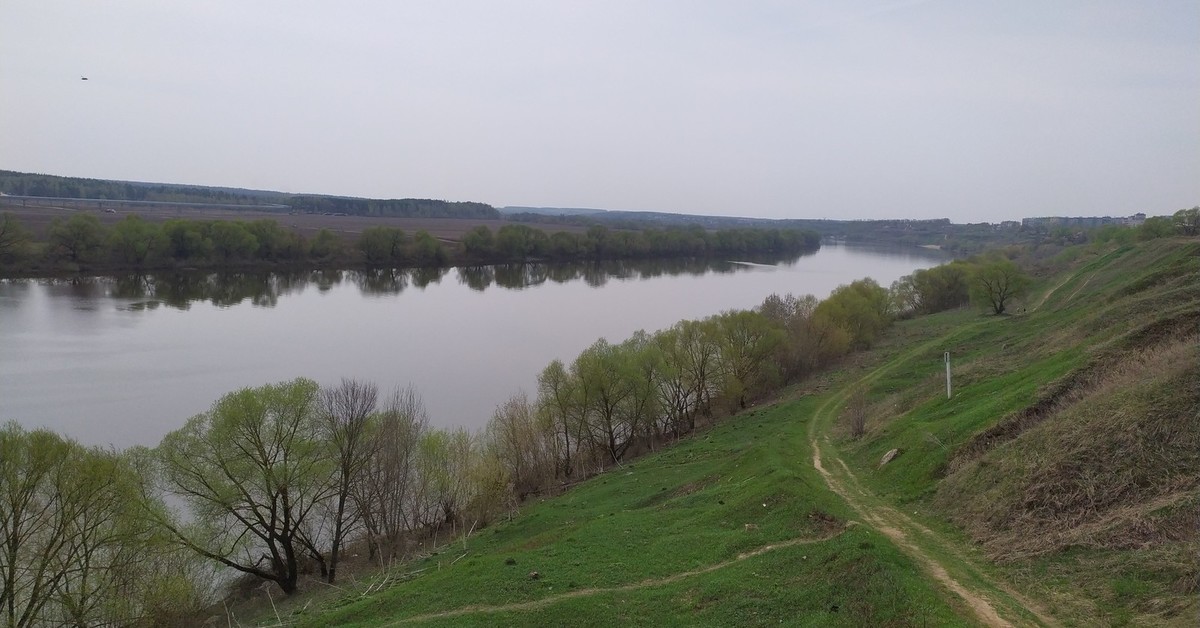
1110, 459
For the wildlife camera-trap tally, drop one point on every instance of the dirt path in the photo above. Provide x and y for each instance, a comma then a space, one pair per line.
909, 535
1062, 283
978, 604
552, 599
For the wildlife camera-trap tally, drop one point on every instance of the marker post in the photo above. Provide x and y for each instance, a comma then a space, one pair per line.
947, 357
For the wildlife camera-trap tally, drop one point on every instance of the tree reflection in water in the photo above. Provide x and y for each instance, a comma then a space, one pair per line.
263, 289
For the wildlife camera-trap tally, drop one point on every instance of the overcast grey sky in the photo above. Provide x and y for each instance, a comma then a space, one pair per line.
972, 110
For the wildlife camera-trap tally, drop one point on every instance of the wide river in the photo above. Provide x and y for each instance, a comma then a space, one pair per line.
123, 360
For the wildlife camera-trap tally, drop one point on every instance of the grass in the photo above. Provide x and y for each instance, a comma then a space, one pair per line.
1070, 452
730, 527
1057, 486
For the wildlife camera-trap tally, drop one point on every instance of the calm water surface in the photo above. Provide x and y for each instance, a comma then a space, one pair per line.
124, 360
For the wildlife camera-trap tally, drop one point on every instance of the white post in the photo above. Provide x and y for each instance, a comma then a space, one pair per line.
947, 374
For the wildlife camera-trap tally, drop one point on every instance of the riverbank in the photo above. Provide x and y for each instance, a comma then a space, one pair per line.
779, 514
83, 243
72, 345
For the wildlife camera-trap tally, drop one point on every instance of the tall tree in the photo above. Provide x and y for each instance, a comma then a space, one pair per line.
345, 424
996, 283
231, 241
79, 239
558, 399
606, 384
862, 308
700, 347
427, 250
748, 341
12, 236
136, 241
522, 443
382, 246
73, 548
385, 494
253, 469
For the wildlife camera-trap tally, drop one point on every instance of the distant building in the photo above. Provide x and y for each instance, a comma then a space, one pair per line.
1086, 222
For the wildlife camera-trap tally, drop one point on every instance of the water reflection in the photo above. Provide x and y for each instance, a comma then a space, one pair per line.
264, 289
72, 350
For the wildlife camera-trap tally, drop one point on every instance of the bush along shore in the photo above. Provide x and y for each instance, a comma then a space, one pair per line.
82, 243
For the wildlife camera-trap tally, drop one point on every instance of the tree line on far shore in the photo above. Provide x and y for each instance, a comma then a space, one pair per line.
82, 242
281, 480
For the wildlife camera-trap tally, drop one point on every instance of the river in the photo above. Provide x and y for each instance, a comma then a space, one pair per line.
123, 360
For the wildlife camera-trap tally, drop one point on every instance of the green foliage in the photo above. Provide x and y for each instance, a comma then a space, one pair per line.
27, 184
74, 546
748, 343
383, 246
252, 470
1156, 227
1116, 234
520, 242
995, 283
78, 239
136, 242
1187, 221
231, 241
428, 250
862, 308
188, 240
728, 529
931, 290
1067, 451
406, 207
325, 245
274, 242
479, 243
13, 237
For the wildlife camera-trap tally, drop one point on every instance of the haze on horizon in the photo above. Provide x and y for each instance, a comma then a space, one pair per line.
980, 111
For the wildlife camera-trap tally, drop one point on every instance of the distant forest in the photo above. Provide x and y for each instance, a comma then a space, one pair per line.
956, 239
26, 184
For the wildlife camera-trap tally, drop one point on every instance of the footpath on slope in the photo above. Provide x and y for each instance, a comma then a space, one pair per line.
898, 527
909, 535
552, 599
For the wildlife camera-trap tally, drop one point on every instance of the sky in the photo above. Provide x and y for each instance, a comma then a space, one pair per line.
972, 110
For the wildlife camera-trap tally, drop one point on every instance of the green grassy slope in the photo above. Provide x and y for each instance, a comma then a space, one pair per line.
730, 528
1058, 485
1070, 452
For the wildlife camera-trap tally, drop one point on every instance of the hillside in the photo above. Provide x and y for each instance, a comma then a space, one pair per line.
1058, 486
1069, 454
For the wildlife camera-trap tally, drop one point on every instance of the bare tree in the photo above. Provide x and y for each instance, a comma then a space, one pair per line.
522, 443
384, 494
445, 460
345, 420
856, 414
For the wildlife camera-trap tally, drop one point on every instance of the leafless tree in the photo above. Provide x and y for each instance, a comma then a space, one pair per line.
856, 414
346, 412
384, 494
